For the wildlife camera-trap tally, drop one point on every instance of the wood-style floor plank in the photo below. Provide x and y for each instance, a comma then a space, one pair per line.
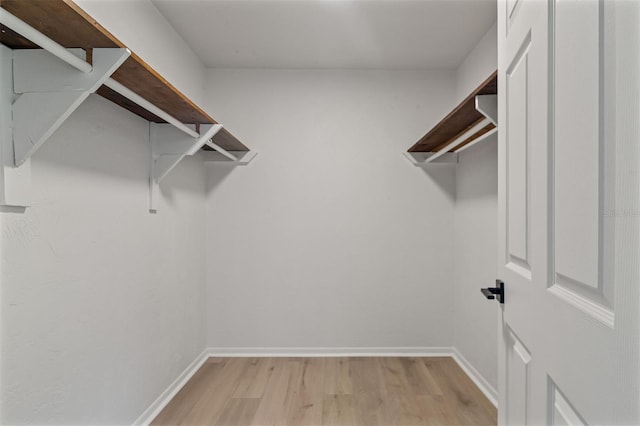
188, 396
273, 405
385, 391
238, 412
337, 410
254, 379
214, 397
337, 376
464, 398
306, 405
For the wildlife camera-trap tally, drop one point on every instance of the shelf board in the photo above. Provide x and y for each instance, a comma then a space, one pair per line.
66, 23
458, 121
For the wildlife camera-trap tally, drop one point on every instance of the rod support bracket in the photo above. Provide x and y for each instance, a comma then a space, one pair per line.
168, 146
48, 91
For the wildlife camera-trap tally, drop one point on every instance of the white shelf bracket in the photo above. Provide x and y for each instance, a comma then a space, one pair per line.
48, 90
487, 105
15, 182
169, 145
240, 158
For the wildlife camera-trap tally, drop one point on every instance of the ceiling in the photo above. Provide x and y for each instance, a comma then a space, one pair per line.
369, 34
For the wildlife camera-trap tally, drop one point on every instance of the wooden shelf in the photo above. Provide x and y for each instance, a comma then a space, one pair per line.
458, 122
66, 23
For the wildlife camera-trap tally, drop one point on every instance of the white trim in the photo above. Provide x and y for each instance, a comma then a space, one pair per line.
477, 378
167, 395
330, 352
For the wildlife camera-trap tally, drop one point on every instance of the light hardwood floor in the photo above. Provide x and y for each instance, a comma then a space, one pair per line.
329, 391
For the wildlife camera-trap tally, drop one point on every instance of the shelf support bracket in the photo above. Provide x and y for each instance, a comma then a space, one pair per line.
240, 158
169, 146
48, 91
487, 105
15, 182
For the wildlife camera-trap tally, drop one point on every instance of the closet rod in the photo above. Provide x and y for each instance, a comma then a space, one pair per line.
458, 140
134, 97
27, 31
221, 150
479, 139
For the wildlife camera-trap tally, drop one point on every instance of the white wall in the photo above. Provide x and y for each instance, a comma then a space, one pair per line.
476, 245
476, 233
330, 238
142, 28
102, 302
479, 64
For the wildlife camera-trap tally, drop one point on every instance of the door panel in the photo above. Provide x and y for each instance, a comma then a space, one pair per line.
577, 124
580, 240
561, 412
569, 191
518, 163
512, 8
518, 359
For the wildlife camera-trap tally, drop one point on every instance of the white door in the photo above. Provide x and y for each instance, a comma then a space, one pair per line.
569, 215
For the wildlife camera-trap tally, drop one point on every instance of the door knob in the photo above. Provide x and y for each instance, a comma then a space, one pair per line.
496, 292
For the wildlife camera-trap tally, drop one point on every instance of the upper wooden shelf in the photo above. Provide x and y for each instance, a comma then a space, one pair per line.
459, 121
66, 23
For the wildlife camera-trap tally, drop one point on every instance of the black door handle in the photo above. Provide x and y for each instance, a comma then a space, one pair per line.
496, 292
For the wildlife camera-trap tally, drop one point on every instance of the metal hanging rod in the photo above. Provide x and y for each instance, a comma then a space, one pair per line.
221, 150
478, 139
134, 97
27, 31
457, 141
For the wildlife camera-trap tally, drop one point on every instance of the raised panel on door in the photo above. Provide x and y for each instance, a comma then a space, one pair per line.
579, 129
511, 9
560, 410
517, 366
517, 171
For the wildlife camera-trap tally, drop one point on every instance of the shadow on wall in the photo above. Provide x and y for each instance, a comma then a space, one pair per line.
188, 177
11, 209
440, 174
479, 166
215, 174
101, 140
472, 162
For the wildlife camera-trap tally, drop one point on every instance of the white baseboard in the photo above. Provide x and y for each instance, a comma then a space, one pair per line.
482, 384
165, 397
330, 352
